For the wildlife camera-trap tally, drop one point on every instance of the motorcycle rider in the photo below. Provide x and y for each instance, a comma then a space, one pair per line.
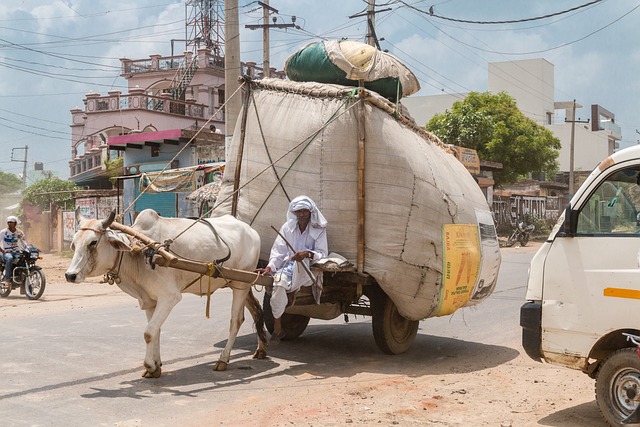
11, 239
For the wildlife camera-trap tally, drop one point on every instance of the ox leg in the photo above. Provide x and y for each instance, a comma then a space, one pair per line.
255, 309
156, 317
237, 317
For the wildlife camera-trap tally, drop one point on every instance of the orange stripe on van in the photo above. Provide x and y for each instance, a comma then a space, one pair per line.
622, 293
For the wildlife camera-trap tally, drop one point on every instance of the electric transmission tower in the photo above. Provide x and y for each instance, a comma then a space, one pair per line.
205, 25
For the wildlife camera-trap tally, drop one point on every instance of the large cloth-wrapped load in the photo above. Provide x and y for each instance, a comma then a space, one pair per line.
429, 238
346, 62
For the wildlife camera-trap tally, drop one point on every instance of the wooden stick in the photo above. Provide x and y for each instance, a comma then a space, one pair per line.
167, 259
171, 259
361, 194
313, 278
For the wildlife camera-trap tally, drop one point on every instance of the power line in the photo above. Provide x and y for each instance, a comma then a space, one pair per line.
551, 48
432, 13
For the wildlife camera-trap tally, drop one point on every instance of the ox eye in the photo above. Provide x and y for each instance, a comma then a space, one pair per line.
92, 245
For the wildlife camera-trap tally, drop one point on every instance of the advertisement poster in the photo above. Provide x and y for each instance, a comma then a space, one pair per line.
86, 208
69, 225
461, 266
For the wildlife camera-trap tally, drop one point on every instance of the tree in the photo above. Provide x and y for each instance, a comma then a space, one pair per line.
499, 132
45, 191
9, 183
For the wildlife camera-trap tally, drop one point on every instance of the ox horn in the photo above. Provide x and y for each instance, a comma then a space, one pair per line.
107, 222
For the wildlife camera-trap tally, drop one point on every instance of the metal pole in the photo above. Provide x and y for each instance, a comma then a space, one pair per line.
265, 40
571, 148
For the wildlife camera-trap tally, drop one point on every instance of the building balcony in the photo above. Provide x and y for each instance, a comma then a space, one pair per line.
205, 58
137, 99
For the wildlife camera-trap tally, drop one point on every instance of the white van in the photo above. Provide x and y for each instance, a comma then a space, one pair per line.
583, 290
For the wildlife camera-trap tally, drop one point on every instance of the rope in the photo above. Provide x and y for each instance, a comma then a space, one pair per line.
269, 166
311, 139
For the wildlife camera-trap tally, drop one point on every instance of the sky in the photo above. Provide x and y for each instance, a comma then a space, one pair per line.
53, 52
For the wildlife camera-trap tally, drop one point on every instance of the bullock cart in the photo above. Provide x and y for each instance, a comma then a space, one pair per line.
344, 292
408, 217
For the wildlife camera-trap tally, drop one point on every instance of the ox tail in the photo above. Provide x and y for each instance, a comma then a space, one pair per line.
251, 302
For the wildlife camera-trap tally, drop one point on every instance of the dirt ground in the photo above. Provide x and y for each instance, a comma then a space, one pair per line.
461, 390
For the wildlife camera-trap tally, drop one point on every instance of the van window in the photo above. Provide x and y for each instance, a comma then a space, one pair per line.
614, 207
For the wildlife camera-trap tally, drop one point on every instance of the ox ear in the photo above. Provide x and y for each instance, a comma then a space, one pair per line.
107, 222
119, 241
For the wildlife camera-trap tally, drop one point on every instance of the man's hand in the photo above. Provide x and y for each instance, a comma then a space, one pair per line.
264, 271
300, 255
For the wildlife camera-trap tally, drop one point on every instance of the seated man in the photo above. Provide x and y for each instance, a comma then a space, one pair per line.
11, 238
302, 239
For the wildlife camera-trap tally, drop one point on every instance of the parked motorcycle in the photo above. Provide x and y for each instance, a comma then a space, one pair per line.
520, 234
26, 274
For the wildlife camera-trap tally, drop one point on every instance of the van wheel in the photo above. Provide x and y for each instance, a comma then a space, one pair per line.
618, 385
293, 325
393, 333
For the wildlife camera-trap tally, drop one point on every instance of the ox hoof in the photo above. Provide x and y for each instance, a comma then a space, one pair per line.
154, 374
220, 366
260, 354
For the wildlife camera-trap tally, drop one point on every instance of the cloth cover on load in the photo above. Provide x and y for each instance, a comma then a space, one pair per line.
413, 186
345, 62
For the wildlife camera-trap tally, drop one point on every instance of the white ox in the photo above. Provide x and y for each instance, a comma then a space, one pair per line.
99, 250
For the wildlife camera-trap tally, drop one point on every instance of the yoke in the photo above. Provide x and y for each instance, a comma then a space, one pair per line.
165, 258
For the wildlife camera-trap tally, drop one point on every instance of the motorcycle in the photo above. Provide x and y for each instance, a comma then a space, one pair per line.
25, 275
520, 234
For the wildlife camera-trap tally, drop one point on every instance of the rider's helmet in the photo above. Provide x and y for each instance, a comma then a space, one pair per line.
12, 218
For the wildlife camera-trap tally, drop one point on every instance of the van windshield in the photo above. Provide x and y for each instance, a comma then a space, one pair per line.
614, 207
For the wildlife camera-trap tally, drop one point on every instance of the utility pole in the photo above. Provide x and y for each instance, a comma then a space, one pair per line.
266, 26
232, 68
573, 122
24, 166
266, 59
372, 38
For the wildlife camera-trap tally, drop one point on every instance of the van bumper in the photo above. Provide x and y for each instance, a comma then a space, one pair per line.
531, 323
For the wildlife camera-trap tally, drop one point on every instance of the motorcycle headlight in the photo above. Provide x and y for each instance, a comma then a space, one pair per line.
34, 255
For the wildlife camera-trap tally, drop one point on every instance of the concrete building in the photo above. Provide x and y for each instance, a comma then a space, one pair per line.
164, 92
531, 83
171, 117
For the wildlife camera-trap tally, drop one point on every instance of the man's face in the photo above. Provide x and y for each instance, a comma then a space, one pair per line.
11, 224
303, 215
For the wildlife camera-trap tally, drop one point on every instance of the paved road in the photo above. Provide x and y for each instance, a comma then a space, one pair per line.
74, 359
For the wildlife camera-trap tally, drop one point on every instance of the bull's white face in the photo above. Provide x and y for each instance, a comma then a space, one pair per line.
92, 254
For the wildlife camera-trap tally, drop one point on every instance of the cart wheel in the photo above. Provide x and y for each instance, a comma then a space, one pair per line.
394, 333
293, 325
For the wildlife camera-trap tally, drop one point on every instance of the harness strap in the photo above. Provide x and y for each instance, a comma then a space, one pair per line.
221, 260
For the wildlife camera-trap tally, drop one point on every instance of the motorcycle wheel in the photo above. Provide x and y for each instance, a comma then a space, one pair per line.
5, 289
524, 239
511, 240
34, 284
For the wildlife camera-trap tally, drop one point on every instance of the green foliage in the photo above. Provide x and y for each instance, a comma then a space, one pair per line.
43, 192
9, 183
493, 125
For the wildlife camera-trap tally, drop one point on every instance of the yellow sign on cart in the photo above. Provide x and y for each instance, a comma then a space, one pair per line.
461, 266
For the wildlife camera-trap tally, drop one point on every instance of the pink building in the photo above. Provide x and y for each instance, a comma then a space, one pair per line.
175, 92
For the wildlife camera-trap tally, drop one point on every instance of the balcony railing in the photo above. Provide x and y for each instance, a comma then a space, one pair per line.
205, 59
138, 100
611, 126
